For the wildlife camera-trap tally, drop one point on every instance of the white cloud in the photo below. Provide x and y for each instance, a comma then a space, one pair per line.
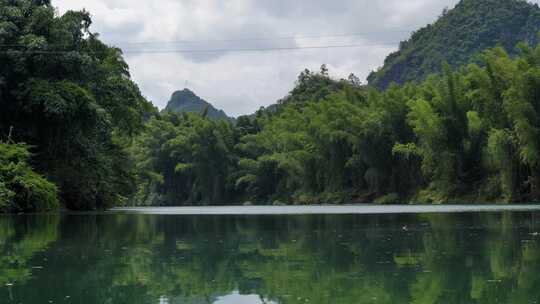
241, 82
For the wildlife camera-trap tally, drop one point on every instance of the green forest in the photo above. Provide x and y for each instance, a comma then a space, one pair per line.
76, 132
458, 36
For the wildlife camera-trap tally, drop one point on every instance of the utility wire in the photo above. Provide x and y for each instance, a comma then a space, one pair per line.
343, 35
258, 49
264, 38
225, 50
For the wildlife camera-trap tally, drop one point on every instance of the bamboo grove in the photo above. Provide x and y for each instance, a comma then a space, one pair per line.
469, 135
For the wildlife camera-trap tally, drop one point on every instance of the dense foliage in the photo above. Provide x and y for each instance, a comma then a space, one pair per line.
69, 96
22, 189
470, 134
467, 135
457, 36
185, 158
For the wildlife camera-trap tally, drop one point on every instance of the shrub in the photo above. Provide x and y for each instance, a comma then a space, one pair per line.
392, 198
6, 196
22, 189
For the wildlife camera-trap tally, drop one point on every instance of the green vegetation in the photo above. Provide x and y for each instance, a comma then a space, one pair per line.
22, 189
187, 101
185, 158
69, 97
459, 35
465, 136
469, 134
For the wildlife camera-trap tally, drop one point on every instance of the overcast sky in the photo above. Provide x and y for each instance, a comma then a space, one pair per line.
240, 82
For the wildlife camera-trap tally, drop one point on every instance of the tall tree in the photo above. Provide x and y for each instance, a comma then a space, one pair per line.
69, 96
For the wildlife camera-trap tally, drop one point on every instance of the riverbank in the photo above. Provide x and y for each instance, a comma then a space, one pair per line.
324, 209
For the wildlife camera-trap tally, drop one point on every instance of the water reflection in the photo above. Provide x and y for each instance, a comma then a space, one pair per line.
127, 258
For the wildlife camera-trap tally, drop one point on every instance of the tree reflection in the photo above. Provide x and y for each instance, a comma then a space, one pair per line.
21, 238
488, 258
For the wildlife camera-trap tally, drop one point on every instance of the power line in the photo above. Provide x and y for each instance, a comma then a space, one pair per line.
259, 49
291, 37
224, 50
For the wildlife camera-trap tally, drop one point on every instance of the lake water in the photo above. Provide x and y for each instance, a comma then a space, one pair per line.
364, 256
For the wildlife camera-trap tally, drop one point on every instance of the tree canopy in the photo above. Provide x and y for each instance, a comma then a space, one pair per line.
464, 135
76, 131
68, 96
459, 35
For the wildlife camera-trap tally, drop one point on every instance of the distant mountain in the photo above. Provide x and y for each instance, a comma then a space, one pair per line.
457, 36
187, 101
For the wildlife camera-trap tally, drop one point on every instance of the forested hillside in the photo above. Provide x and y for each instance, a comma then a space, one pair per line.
76, 132
187, 101
68, 97
457, 36
469, 135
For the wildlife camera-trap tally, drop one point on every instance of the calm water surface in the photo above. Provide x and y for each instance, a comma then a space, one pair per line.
133, 257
